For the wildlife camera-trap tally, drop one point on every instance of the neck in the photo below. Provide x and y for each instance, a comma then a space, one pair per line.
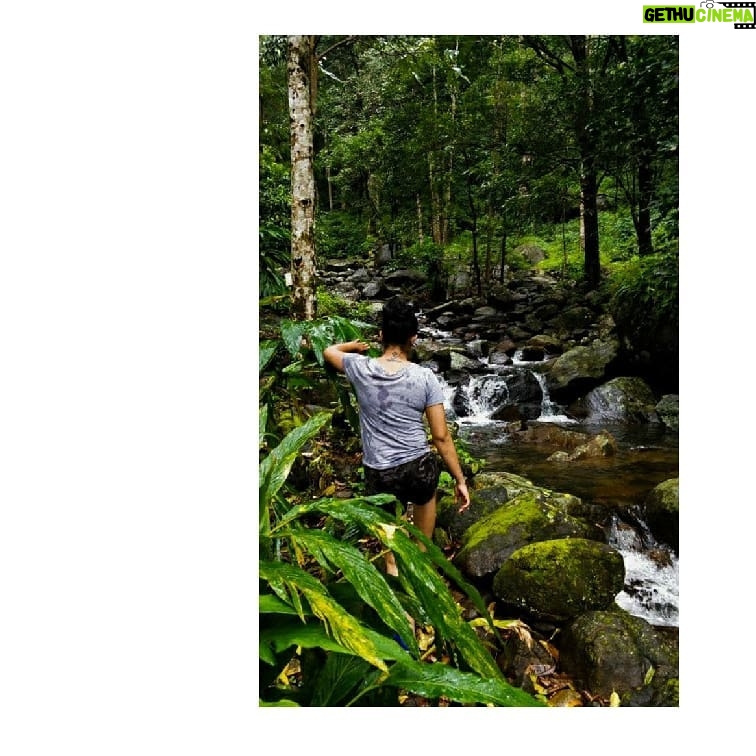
395, 353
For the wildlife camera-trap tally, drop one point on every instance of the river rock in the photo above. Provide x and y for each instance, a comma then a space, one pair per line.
373, 289
612, 651
405, 277
621, 400
580, 369
524, 519
558, 580
668, 409
601, 445
550, 345
662, 510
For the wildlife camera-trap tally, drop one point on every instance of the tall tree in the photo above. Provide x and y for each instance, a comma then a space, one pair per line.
643, 96
302, 76
576, 58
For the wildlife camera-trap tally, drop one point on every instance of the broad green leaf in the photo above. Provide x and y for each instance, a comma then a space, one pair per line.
435, 680
262, 423
439, 559
275, 468
418, 576
345, 399
341, 625
282, 702
287, 594
291, 333
293, 367
269, 604
331, 330
290, 633
362, 575
339, 676
364, 511
267, 350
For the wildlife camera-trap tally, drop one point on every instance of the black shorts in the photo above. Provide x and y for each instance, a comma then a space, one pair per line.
414, 481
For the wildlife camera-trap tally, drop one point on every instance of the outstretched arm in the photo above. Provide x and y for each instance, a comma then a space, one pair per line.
443, 441
334, 354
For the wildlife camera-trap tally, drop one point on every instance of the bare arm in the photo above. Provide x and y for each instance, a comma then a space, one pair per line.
334, 354
443, 441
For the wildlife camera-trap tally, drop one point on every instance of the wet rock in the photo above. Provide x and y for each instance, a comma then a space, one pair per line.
668, 409
560, 579
526, 518
612, 651
622, 400
580, 369
662, 510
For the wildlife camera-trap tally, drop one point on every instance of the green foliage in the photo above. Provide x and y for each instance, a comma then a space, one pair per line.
470, 464
324, 603
275, 216
339, 235
292, 372
645, 298
420, 255
309, 338
330, 304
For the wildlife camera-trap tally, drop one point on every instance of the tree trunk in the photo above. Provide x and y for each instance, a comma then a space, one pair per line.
645, 194
302, 73
588, 176
475, 255
420, 235
589, 224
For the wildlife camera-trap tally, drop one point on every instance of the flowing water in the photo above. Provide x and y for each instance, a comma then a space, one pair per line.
647, 455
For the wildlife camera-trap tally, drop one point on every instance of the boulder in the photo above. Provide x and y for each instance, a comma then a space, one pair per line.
526, 518
580, 369
668, 410
560, 579
662, 511
621, 400
614, 652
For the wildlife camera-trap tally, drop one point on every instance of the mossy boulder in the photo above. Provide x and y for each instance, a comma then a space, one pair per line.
557, 580
527, 518
580, 369
662, 508
612, 651
490, 491
668, 409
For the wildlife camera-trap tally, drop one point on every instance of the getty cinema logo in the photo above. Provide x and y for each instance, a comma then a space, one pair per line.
739, 14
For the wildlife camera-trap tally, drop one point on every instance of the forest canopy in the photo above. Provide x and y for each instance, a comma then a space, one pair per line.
453, 151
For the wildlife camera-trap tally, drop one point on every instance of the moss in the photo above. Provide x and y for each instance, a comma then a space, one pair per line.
523, 514
561, 578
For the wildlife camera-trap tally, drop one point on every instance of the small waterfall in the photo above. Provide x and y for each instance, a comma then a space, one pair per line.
477, 401
482, 395
550, 411
651, 575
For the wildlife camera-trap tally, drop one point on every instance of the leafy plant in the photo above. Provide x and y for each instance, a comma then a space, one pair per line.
330, 304
329, 619
292, 376
645, 299
274, 231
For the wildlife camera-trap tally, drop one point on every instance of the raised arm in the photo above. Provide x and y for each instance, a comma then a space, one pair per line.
443, 441
334, 354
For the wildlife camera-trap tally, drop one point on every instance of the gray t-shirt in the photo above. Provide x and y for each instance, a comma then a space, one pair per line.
391, 409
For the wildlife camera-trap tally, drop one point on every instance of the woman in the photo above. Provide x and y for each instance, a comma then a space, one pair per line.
394, 395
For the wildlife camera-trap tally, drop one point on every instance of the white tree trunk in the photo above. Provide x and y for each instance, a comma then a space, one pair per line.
301, 71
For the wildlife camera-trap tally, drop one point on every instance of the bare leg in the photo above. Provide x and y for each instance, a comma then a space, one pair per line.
424, 517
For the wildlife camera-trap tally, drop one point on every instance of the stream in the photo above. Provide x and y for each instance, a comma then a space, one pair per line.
647, 455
